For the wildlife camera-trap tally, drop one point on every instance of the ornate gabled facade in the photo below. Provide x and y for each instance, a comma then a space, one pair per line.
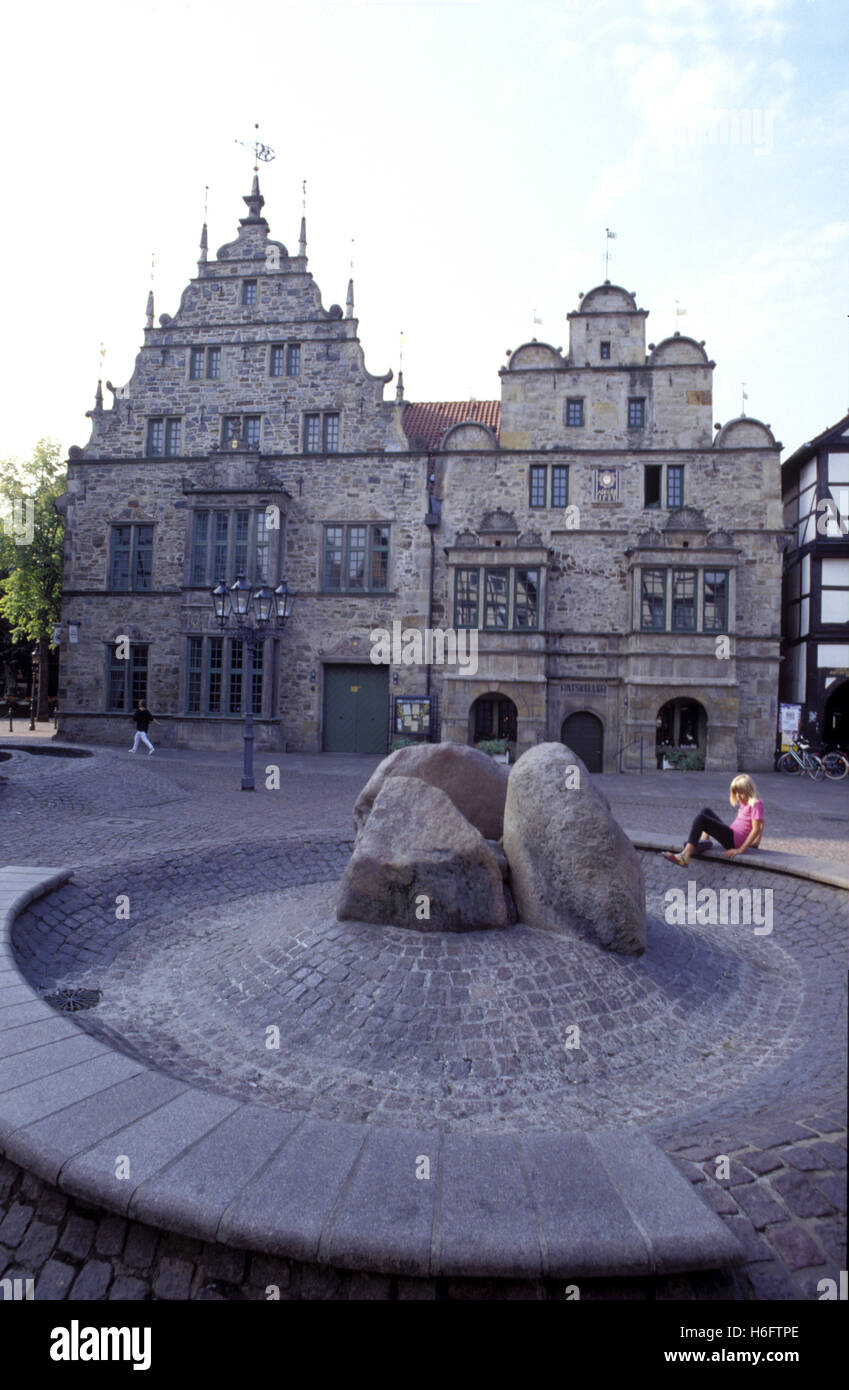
619, 560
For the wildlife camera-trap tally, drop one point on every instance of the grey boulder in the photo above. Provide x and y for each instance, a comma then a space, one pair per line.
418, 863
476, 784
572, 867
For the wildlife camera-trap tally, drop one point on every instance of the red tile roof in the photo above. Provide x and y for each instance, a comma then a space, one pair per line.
424, 425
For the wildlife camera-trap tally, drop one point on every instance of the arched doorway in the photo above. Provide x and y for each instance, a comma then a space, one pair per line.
835, 724
681, 724
493, 716
584, 734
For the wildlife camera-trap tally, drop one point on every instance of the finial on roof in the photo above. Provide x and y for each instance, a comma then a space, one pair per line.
349, 302
149, 323
204, 243
98, 396
255, 201
302, 241
399, 389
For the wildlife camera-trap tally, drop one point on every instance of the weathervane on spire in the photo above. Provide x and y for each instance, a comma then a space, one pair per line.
262, 153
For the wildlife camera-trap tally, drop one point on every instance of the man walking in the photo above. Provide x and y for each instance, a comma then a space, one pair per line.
143, 719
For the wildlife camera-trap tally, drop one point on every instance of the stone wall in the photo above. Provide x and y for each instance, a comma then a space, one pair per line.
587, 653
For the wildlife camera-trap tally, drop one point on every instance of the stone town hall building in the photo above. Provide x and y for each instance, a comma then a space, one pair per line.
619, 558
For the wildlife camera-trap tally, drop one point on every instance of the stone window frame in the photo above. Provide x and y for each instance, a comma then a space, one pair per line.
251, 422
202, 676
526, 570
558, 469
574, 407
470, 600
477, 603
375, 548
537, 471
250, 294
135, 673
679, 573
604, 356
132, 550
636, 412
168, 430
242, 555
208, 358
321, 431
676, 470
284, 360
700, 570
662, 470
717, 627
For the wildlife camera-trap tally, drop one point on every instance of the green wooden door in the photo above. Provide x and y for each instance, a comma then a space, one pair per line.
356, 709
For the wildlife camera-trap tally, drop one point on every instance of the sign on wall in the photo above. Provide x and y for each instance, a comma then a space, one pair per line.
789, 724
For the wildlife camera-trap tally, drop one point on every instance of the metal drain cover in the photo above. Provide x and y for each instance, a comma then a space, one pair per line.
71, 1001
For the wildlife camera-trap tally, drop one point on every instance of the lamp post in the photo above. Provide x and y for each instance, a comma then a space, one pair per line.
35, 679
249, 616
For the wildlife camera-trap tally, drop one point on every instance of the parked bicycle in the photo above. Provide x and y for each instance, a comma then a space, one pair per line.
799, 760
835, 763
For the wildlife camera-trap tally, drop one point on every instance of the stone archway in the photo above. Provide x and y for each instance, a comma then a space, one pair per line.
681, 724
492, 716
583, 732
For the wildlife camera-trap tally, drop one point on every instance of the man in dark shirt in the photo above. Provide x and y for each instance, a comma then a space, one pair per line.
143, 719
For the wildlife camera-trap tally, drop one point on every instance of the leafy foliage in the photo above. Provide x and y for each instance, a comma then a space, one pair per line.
32, 571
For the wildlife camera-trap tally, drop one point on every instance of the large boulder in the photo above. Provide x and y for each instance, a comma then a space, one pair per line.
417, 855
474, 782
572, 867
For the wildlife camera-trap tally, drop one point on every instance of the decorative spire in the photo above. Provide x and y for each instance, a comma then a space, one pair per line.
399, 389
302, 242
349, 302
204, 243
98, 396
255, 201
149, 323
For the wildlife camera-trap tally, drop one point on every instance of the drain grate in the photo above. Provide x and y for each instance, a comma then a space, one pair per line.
71, 1001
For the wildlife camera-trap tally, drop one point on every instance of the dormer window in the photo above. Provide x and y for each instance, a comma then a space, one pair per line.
249, 293
605, 352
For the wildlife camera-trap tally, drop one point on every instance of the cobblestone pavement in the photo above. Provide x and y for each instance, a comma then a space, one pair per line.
468, 1031
720, 1041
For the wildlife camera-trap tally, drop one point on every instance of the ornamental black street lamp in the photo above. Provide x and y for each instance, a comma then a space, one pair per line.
36, 659
249, 616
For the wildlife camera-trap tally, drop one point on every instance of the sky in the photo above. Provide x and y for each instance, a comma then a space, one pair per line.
466, 156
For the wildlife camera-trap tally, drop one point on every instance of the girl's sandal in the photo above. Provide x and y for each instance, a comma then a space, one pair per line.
675, 858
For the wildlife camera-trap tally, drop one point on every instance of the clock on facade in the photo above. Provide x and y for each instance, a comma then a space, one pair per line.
606, 485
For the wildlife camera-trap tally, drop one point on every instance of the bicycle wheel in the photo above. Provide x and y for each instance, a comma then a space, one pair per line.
814, 767
835, 765
788, 764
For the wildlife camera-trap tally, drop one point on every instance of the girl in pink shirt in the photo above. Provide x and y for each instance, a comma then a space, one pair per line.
743, 833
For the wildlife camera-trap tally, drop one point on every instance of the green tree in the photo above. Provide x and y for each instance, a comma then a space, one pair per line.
32, 537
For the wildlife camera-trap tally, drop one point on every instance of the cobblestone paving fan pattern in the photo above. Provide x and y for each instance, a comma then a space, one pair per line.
780, 1119
463, 1031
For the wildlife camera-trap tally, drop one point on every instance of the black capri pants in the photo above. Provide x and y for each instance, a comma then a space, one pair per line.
708, 821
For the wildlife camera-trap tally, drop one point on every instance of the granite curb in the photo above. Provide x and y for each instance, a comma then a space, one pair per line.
389, 1200
770, 860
